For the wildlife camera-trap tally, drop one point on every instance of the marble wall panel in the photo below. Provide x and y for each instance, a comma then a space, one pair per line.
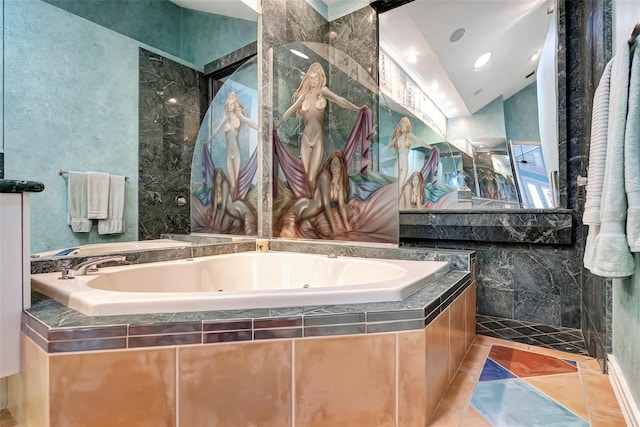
303, 22
539, 283
540, 227
357, 34
168, 131
589, 30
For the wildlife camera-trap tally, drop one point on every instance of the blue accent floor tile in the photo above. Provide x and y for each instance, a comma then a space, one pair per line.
571, 362
492, 371
514, 403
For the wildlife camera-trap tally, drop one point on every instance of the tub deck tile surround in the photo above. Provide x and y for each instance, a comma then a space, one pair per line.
57, 329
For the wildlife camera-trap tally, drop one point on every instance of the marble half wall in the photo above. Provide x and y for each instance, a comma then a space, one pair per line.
172, 104
523, 281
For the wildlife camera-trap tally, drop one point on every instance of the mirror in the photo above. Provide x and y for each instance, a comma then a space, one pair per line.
116, 87
491, 128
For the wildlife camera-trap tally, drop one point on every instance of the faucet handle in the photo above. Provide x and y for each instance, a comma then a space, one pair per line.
65, 269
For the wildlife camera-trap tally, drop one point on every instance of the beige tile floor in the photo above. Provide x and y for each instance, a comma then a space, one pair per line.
6, 420
587, 393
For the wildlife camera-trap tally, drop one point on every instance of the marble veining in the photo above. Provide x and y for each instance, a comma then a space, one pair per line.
357, 34
540, 227
20, 186
459, 260
171, 107
44, 265
303, 22
232, 58
591, 39
538, 283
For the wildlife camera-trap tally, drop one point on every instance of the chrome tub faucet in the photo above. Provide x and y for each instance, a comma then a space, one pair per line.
89, 265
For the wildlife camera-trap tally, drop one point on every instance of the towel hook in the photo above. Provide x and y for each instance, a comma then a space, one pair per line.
634, 33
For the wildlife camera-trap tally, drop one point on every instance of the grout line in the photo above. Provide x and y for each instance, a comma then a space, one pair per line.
177, 387
293, 383
397, 373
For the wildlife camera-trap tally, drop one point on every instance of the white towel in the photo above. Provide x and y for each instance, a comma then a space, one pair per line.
597, 159
97, 195
77, 202
597, 148
632, 156
612, 255
114, 224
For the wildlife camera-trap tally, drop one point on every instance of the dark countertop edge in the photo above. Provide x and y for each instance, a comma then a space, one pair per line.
487, 211
20, 186
544, 227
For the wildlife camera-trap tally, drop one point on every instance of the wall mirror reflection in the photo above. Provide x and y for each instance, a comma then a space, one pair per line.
476, 84
117, 87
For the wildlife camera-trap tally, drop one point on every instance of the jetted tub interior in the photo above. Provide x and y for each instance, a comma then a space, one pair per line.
239, 281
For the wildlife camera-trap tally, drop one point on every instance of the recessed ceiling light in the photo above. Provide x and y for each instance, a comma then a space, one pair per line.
412, 58
482, 60
457, 35
477, 92
534, 56
298, 53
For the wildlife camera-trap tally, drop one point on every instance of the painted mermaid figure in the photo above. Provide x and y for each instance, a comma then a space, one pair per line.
309, 103
234, 118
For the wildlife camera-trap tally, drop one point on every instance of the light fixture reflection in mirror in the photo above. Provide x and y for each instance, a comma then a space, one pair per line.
477, 109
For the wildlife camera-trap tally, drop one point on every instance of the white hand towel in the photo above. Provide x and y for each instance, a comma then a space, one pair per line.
612, 255
114, 224
597, 159
77, 202
97, 195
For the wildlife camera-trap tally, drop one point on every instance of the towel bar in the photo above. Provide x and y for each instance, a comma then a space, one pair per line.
62, 172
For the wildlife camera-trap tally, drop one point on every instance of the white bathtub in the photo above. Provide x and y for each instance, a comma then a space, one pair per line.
239, 281
105, 248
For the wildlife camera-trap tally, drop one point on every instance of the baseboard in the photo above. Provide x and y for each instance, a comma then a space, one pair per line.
628, 405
